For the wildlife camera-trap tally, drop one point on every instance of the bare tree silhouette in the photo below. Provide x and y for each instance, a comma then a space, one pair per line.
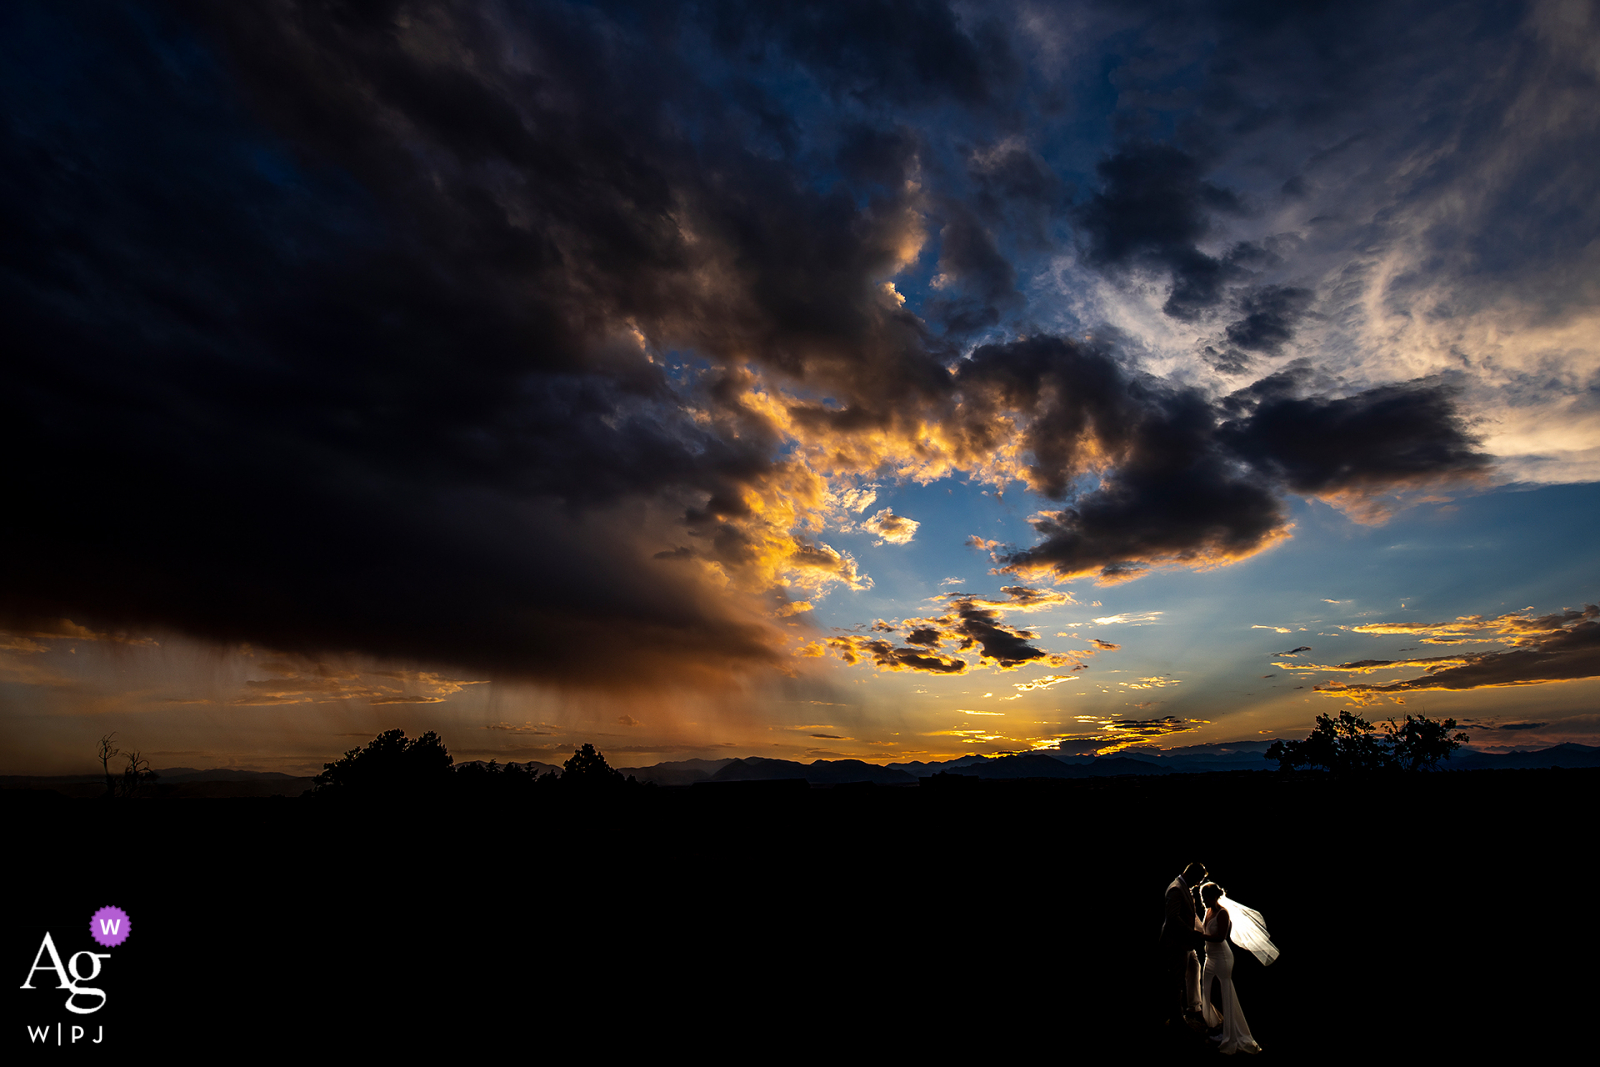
136, 775
107, 752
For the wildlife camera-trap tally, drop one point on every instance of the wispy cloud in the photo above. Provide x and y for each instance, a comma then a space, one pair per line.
1562, 646
292, 680
1046, 682
1126, 618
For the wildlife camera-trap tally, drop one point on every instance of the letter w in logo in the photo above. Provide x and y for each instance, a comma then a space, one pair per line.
109, 927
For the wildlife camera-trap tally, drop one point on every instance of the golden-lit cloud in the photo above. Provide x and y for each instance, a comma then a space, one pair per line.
856, 498
1128, 618
62, 630
25, 653
1562, 646
1109, 735
293, 680
854, 649
976, 736
891, 528
969, 634
1514, 628
1368, 666
1020, 598
20, 643
1046, 682
1159, 681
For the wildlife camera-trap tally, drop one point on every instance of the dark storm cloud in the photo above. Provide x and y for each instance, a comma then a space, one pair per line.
1270, 315
431, 329
1152, 210
872, 156
971, 265
1175, 497
1226, 360
1175, 493
317, 320
904, 50
1459, 135
1391, 435
1013, 186
1078, 400
968, 256
978, 627
1180, 484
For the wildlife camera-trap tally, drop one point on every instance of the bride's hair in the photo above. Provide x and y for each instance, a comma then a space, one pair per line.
1211, 892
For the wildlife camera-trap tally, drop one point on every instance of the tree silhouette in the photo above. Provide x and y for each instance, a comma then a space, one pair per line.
1352, 745
136, 775
393, 766
508, 783
588, 769
106, 753
390, 764
1421, 743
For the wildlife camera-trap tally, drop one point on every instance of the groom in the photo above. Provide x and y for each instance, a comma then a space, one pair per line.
1180, 942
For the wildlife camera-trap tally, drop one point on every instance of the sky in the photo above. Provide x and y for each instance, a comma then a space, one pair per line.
890, 381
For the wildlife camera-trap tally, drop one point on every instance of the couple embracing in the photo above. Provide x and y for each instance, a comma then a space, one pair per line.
1201, 916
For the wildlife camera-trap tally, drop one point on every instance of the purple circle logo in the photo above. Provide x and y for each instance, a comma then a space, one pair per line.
109, 926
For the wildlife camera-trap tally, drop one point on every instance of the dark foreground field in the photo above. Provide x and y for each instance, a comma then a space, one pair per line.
985, 921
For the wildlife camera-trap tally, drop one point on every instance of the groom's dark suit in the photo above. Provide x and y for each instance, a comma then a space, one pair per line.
1180, 944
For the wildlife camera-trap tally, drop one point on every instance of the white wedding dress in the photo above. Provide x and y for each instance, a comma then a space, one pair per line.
1251, 933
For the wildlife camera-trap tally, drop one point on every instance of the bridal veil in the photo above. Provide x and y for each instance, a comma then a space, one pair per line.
1249, 930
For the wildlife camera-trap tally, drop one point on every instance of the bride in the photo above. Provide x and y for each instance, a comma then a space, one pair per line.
1227, 918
